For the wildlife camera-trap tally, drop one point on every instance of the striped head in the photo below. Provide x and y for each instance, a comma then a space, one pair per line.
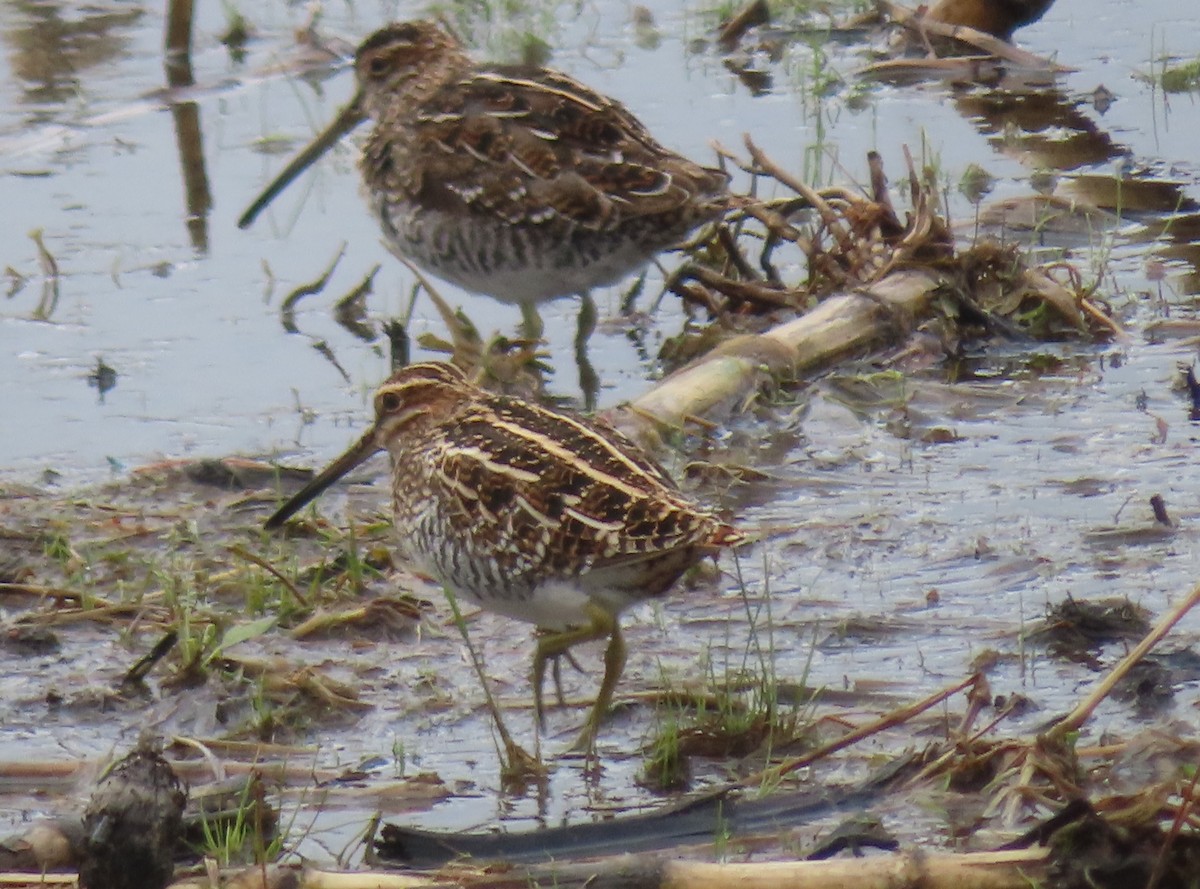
405, 61
397, 68
416, 398
412, 401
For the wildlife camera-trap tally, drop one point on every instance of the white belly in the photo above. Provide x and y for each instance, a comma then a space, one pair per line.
511, 263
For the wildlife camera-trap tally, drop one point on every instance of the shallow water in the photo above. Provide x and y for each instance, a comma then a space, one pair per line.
857, 520
185, 311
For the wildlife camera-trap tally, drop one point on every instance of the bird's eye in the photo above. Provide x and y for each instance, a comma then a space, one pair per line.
377, 66
390, 401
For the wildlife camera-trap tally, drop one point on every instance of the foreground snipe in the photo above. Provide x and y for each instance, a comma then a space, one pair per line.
509, 180
548, 518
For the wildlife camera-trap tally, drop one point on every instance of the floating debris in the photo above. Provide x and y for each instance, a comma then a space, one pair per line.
132, 823
102, 379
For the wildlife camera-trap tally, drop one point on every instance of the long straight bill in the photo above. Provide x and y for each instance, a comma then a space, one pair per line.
358, 453
348, 118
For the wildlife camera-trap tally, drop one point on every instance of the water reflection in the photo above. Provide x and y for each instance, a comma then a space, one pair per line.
1046, 129
51, 52
50, 279
186, 118
1044, 126
188, 138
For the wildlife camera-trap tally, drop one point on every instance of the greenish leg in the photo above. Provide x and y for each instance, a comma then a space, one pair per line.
589, 380
614, 665
532, 327
551, 647
518, 764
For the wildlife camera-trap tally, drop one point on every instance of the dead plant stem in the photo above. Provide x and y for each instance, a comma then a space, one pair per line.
1083, 712
888, 720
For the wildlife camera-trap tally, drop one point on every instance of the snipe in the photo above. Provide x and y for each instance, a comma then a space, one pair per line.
513, 181
998, 17
542, 516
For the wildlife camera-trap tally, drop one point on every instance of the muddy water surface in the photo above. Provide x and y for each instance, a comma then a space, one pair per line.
998, 490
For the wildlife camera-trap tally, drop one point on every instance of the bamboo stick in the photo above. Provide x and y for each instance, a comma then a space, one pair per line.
914, 868
842, 325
